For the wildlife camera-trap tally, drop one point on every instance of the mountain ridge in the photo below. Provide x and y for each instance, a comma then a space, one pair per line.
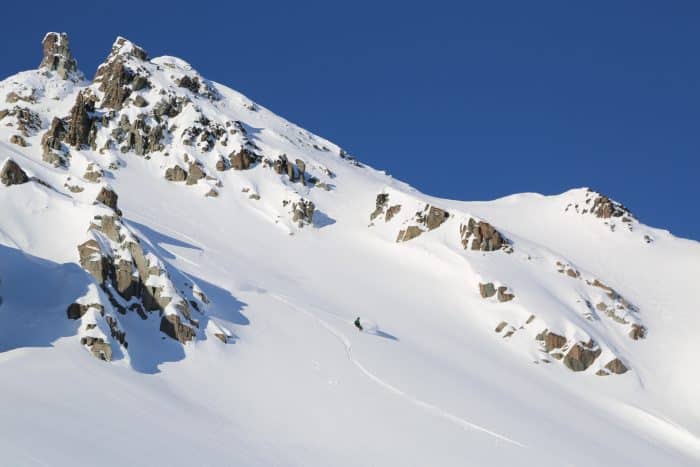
194, 212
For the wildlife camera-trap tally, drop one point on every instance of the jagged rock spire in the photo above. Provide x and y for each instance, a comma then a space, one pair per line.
123, 46
57, 56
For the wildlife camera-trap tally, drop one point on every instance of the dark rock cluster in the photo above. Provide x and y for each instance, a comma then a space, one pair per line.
12, 174
577, 356
483, 236
57, 56
382, 207
430, 218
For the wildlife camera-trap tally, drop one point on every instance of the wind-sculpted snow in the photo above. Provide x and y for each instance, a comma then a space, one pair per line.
183, 268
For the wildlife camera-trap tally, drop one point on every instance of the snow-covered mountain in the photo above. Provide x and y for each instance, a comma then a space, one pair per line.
181, 271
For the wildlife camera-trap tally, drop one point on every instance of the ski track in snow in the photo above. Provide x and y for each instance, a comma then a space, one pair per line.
437, 411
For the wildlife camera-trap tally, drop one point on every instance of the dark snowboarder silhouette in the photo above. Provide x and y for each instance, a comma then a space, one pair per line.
357, 324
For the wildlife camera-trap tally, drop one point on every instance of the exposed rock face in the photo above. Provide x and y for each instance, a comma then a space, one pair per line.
303, 212
92, 261
92, 174
176, 174
98, 347
82, 128
381, 203
483, 236
638, 332
582, 355
243, 159
503, 295
551, 340
221, 164
51, 143
191, 84
57, 56
108, 197
487, 290
117, 79
616, 366
27, 121
435, 217
391, 212
605, 208
430, 218
138, 136
19, 141
12, 174
195, 173
173, 327
77, 310
283, 166
409, 233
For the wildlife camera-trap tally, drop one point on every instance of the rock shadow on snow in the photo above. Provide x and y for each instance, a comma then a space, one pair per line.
35, 293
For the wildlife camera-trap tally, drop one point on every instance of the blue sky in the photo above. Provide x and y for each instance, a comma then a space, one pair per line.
465, 100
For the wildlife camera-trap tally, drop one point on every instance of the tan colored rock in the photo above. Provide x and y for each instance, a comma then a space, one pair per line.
195, 174
409, 233
638, 332
176, 174
12, 174
581, 356
483, 236
616, 366
174, 328
19, 141
503, 295
109, 198
487, 290
551, 340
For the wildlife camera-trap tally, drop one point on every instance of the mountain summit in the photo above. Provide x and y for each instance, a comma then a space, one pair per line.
170, 247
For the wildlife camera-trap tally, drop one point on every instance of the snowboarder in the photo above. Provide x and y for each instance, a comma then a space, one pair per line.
358, 325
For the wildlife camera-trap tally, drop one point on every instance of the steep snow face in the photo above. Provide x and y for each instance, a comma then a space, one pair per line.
214, 257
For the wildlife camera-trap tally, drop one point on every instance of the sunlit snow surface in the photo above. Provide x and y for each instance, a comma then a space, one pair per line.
428, 382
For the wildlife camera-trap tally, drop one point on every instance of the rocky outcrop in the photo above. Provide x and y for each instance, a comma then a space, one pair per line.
195, 174
616, 366
637, 332
138, 136
26, 121
303, 212
243, 159
482, 235
12, 174
173, 327
117, 78
52, 146
109, 198
19, 141
382, 207
93, 261
430, 218
284, 166
58, 58
204, 134
487, 290
98, 347
551, 340
409, 233
176, 174
503, 295
582, 355
82, 128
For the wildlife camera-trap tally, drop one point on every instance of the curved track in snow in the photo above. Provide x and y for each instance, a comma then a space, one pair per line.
437, 411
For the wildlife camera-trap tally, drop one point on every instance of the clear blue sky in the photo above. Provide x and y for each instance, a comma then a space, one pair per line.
466, 100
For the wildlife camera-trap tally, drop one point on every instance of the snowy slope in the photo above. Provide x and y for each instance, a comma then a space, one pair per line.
219, 293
